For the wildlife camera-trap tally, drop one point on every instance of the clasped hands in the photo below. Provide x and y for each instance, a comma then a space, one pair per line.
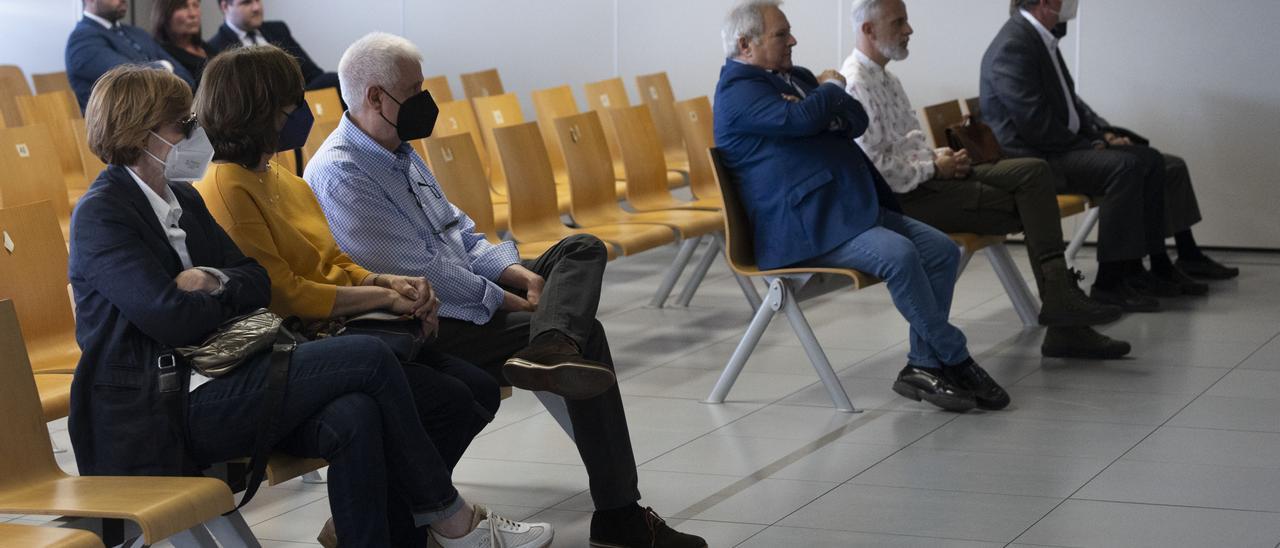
951, 164
412, 296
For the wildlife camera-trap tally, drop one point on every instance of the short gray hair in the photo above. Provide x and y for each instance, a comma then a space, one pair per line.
864, 10
373, 60
746, 20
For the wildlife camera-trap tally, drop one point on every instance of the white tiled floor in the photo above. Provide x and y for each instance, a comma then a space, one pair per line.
1176, 446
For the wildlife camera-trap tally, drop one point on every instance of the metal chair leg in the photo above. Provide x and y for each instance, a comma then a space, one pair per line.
1015, 286
314, 477
558, 409
965, 256
764, 314
687, 248
1077, 241
231, 531
195, 537
699, 273
817, 357
749, 291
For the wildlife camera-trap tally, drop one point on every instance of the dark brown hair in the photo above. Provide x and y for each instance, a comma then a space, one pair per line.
242, 94
161, 12
126, 104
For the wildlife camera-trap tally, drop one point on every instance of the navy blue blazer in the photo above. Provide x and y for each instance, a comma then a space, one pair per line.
806, 187
277, 33
129, 312
1022, 99
92, 50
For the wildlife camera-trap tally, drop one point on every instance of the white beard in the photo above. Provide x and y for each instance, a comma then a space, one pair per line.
894, 52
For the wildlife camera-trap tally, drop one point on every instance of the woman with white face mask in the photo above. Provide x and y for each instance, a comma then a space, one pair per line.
153, 271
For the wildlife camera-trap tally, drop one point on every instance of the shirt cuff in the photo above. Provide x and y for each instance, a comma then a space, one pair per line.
492, 301
166, 64
496, 260
222, 279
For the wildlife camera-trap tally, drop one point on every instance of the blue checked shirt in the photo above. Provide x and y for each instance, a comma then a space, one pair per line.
388, 213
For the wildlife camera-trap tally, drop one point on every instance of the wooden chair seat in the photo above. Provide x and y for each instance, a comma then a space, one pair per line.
25, 536
55, 395
1072, 204
975, 242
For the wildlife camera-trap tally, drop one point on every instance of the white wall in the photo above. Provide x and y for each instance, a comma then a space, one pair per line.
1196, 78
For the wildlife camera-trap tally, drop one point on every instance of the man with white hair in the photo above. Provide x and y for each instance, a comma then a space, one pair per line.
815, 199
942, 188
534, 321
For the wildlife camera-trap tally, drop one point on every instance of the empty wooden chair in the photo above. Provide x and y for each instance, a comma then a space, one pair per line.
938, 117
602, 96
457, 118
30, 163
698, 132
320, 131
13, 84
655, 91
32, 483
787, 288
90, 164
594, 203
456, 166
974, 106
56, 110
482, 84
534, 215
439, 88
23, 536
497, 111
550, 104
33, 272
325, 104
51, 81
647, 185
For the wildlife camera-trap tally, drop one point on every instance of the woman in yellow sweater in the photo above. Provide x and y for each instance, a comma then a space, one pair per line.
251, 105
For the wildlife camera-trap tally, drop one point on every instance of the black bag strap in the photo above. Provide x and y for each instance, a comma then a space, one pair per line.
269, 411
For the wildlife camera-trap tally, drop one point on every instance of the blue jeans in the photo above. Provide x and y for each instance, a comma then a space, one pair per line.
920, 265
347, 401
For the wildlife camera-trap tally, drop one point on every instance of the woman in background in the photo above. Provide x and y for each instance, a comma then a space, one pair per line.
175, 24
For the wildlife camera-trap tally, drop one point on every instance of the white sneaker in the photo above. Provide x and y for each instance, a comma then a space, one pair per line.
494, 531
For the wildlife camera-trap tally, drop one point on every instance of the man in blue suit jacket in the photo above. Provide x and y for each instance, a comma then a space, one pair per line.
814, 199
244, 25
100, 43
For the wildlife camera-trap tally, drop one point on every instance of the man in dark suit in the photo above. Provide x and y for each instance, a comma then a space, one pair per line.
814, 199
245, 26
100, 42
1029, 100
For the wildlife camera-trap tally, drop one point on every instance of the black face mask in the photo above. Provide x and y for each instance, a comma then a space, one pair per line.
417, 116
297, 127
1059, 30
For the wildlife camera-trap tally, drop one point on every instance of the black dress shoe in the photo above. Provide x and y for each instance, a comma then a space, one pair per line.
929, 384
1150, 285
968, 375
641, 528
1206, 268
553, 363
1125, 297
1083, 343
1185, 283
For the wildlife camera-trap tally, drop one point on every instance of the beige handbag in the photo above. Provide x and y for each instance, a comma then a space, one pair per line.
232, 343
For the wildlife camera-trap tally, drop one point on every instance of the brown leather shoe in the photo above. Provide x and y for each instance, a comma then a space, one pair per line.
553, 363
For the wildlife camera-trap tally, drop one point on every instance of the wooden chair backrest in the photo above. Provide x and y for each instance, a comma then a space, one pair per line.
90, 164
698, 131
589, 166
456, 165
534, 208
439, 88
459, 117
287, 160
655, 91
602, 96
552, 103
29, 163
51, 81
26, 454
34, 275
13, 84
738, 239
325, 104
56, 110
939, 116
482, 83
641, 153
974, 105
492, 112
320, 131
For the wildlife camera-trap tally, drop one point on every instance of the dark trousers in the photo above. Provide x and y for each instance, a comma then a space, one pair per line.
1181, 208
1005, 197
573, 270
1130, 182
348, 402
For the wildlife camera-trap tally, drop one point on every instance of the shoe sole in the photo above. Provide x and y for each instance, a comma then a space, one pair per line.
1049, 319
598, 544
950, 403
1083, 355
1129, 308
574, 381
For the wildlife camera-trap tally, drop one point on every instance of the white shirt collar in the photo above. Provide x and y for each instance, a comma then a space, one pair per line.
99, 20
166, 207
1050, 41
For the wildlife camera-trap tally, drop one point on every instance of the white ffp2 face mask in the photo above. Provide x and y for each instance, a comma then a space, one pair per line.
1069, 10
188, 159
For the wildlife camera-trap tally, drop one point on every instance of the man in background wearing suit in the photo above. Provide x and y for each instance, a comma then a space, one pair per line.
245, 25
100, 43
815, 199
1029, 100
